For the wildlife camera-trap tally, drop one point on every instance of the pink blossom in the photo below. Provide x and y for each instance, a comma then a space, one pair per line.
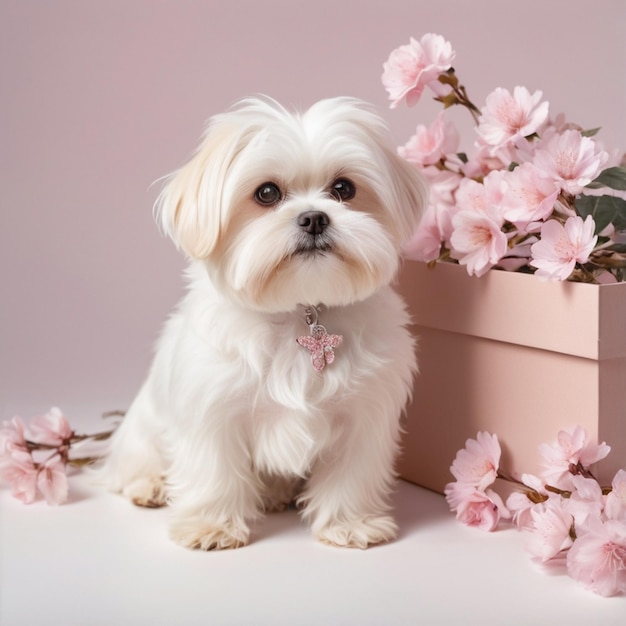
598, 557
435, 228
507, 117
482, 163
477, 242
477, 463
482, 509
52, 481
586, 499
549, 532
472, 196
519, 503
20, 472
51, 429
12, 437
457, 493
570, 159
571, 448
425, 244
555, 255
615, 505
431, 143
486, 198
442, 185
412, 67
530, 196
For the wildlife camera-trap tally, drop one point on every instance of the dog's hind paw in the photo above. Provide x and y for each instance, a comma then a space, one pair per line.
147, 491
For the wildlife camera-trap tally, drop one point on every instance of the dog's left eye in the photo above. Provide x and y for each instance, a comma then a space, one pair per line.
268, 194
343, 189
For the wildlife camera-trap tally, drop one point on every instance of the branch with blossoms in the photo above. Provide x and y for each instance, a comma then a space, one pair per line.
564, 512
34, 458
539, 195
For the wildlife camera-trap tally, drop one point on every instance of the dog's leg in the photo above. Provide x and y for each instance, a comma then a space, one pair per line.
347, 496
213, 494
135, 466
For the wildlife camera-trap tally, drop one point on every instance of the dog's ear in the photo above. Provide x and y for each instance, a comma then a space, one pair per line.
411, 191
191, 207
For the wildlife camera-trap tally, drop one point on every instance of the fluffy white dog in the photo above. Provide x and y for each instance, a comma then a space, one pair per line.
283, 373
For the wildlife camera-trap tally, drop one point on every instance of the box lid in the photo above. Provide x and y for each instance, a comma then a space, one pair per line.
571, 318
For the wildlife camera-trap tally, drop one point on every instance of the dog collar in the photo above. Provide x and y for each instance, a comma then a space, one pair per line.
319, 343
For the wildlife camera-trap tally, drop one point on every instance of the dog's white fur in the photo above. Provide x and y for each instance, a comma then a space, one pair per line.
233, 419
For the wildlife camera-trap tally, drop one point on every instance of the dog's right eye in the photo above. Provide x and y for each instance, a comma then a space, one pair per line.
268, 194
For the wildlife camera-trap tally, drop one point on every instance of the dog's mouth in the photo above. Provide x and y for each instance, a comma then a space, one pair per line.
313, 245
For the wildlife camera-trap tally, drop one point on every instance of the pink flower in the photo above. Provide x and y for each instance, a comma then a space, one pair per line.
443, 185
482, 163
571, 448
51, 429
555, 255
412, 67
486, 197
507, 117
586, 499
477, 242
435, 226
615, 505
431, 143
425, 244
530, 196
477, 463
52, 481
20, 472
549, 532
12, 437
571, 160
482, 509
598, 557
521, 505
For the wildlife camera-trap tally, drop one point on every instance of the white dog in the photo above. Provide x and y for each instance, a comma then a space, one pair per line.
283, 373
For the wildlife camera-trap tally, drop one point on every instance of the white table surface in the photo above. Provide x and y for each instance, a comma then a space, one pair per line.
97, 560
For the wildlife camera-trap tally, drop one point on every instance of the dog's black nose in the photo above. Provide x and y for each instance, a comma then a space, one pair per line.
313, 222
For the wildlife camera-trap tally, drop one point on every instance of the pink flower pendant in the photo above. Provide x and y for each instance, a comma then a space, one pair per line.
321, 345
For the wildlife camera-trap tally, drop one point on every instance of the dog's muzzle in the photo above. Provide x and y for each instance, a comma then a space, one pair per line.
314, 236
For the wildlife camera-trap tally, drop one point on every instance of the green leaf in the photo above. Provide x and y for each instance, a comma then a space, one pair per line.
591, 132
604, 210
613, 177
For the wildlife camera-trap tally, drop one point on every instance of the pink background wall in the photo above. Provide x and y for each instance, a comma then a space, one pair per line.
99, 99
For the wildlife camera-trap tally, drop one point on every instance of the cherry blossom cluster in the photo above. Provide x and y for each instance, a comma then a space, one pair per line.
539, 194
34, 458
565, 513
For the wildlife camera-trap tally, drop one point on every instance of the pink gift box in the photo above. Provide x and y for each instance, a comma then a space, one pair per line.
515, 356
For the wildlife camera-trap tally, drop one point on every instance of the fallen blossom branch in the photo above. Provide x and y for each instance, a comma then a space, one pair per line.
563, 512
34, 458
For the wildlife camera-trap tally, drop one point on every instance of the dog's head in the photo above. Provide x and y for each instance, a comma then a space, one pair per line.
288, 209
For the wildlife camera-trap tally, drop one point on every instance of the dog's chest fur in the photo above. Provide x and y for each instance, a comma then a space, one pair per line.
248, 368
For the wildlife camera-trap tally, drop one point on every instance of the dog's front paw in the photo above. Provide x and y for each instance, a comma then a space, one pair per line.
359, 533
201, 535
